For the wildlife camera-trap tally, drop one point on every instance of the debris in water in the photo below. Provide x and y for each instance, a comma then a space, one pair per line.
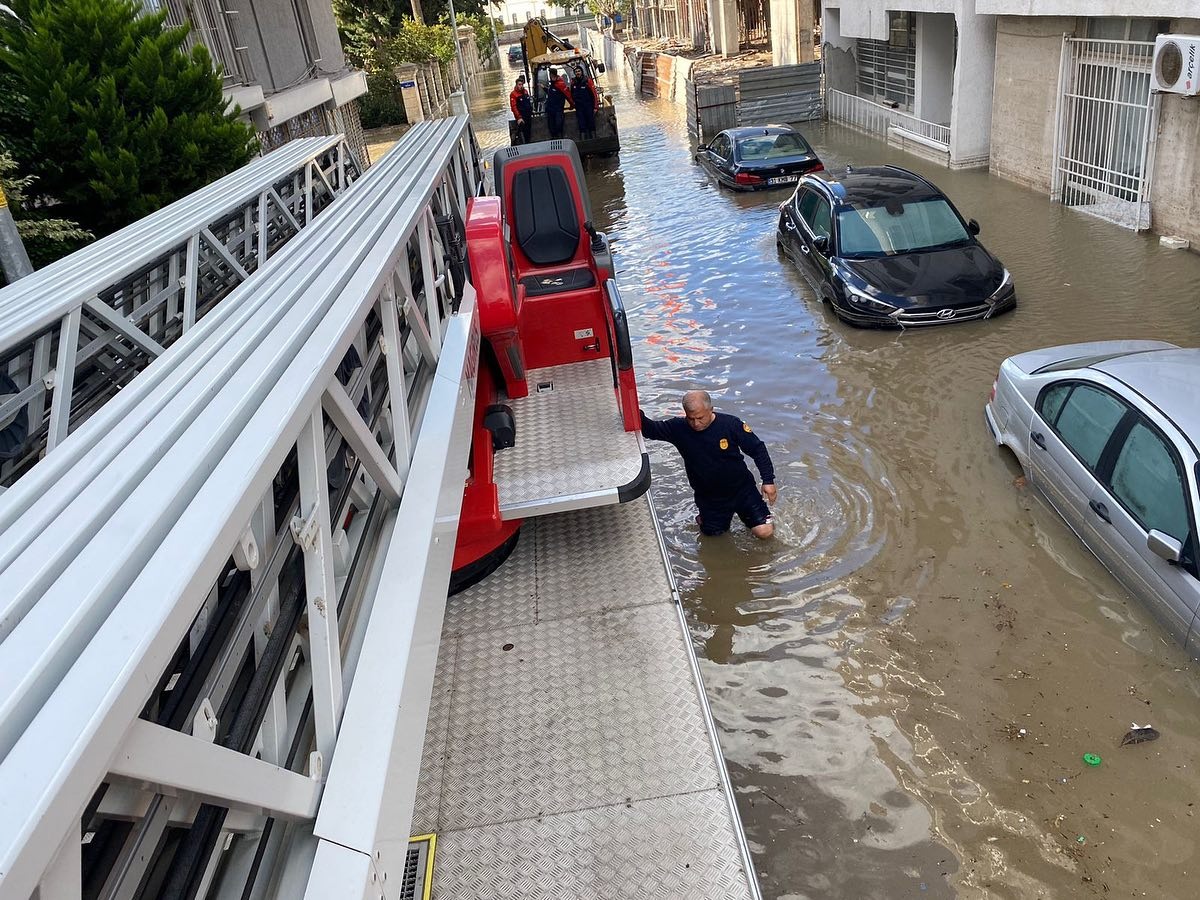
1091, 759
1139, 734
1081, 840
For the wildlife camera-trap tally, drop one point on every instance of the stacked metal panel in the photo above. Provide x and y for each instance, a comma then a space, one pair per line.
216, 539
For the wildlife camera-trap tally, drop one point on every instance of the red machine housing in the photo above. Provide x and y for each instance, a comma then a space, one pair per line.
544, 284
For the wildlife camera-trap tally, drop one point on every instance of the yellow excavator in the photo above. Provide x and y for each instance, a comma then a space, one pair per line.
541, 51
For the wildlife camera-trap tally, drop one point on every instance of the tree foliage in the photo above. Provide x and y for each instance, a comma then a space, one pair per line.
607, 8
103, 107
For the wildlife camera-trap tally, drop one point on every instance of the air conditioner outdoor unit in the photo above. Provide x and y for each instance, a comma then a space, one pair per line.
1176, 68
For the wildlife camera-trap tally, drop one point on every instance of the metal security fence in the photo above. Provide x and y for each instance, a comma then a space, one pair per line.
779, 94
711, 108
1105, 130
876, 118
768, 95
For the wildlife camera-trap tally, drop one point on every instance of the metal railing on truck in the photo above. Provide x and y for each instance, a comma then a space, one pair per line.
83, 327
220, 600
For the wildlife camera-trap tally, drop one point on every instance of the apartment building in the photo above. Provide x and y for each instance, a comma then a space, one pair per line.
1055, 94
282, 63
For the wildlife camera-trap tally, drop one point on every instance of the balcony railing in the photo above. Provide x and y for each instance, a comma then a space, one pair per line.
875, 118
217, 27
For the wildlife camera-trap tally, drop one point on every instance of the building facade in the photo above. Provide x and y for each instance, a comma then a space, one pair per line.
1055, 94
282, 64
920, 71
518, 12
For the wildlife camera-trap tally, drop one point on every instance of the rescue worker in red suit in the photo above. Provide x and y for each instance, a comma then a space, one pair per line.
522, 110
587, 103
558, 95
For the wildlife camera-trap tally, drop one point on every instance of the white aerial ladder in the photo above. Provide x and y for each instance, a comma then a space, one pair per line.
217, 645
81, 329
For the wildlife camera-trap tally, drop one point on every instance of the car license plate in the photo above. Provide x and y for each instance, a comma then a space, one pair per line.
785, 179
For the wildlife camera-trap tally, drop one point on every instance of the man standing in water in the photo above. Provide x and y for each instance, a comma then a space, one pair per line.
712, 444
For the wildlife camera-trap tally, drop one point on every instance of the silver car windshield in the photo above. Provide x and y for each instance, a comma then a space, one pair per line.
897, 227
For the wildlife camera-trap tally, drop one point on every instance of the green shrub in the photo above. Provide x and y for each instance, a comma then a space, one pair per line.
100, 104
382, 105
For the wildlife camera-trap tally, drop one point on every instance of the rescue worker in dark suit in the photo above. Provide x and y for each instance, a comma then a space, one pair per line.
557, 96
522, 109
587, 103
712, 444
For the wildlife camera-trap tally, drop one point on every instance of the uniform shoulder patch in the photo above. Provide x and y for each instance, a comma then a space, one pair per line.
746, 428
724, 443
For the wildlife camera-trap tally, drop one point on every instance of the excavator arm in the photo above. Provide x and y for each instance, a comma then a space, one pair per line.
538, 39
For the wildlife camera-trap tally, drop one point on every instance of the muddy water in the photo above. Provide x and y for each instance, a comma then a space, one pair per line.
906, 678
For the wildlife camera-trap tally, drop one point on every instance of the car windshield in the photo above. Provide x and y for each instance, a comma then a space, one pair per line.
772, 146
897, 227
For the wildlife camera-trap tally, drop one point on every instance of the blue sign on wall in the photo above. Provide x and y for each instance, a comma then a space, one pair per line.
405, 84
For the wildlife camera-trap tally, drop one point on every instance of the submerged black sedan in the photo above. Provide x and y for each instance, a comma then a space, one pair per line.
885, 248
748, 159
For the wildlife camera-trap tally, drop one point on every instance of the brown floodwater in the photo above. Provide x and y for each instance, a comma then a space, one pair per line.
906, 678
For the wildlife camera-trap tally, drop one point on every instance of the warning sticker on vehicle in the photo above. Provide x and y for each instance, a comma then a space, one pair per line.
582, 333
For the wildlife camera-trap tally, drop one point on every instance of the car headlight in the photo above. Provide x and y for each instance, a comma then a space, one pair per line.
865, 300
1005, 287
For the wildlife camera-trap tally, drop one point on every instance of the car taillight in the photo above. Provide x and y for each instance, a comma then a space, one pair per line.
747, 178
819, 167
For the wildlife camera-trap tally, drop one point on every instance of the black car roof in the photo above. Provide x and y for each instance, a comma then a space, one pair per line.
748, 131
874, 185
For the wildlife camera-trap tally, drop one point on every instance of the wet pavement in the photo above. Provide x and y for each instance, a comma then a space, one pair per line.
907, 677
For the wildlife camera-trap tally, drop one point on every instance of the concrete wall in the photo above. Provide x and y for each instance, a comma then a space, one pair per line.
1025, 98
791, 32
1175, 190
935, 67
837, 53
1161, 9
723, 26
971, 104
869, 18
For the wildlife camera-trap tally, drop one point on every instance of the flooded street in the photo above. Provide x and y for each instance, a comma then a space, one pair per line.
907, 677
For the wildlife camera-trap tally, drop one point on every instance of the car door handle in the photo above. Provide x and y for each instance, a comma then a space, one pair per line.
1037, 438
789, 224
1101, 510
804, 249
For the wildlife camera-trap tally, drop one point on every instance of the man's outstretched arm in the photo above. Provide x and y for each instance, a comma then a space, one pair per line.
656, 431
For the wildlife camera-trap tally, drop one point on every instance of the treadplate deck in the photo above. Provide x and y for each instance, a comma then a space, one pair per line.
568, 752
572, 449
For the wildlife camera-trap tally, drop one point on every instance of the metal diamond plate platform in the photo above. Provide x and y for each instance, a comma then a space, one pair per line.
569, 752
669, 848
572, 449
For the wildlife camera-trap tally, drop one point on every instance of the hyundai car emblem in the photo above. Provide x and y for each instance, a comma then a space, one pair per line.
945, 314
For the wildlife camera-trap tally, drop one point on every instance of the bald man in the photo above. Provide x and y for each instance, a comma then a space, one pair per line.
712, 444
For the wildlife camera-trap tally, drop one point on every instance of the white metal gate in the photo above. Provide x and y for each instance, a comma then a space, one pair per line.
1105, 130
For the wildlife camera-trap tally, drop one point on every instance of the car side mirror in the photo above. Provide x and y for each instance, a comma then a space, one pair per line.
1164, 546
821, 243
972, 226
701, 148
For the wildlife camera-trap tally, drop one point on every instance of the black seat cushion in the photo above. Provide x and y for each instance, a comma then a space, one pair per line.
543, 207
558, 282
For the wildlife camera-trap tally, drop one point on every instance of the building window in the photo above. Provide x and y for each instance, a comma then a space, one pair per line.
887, 69
1116, 29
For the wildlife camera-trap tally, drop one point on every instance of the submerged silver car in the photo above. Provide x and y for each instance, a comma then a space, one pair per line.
1108, 432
